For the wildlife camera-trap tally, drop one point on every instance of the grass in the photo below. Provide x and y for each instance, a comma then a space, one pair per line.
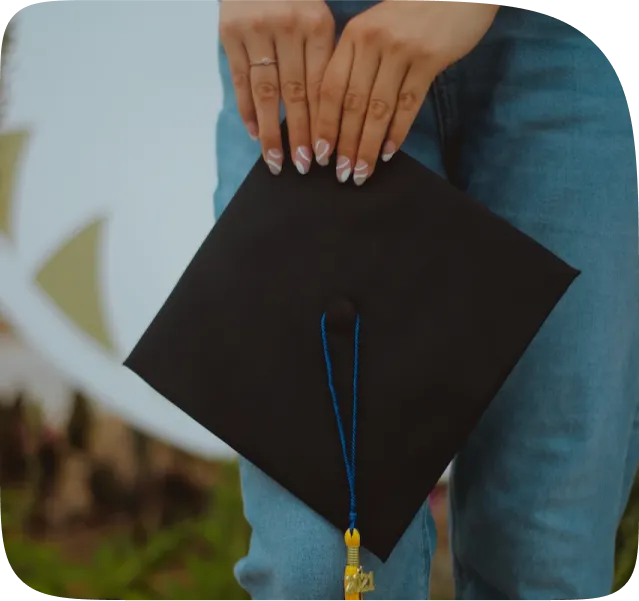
193, 560
627, 540
7, 48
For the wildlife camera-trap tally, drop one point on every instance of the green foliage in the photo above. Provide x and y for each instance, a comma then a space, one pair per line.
627, 540
7, 47
193, 560
225, 534
10, 509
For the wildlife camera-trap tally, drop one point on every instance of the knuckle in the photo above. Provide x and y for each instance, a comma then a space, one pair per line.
319, 25
265, 91
257, 24
241, 80
398, 46
294, 91
329, 94
379, 109
353, 102
407, 100
231, 28
353, 31
286, 22
406, 47
371, 35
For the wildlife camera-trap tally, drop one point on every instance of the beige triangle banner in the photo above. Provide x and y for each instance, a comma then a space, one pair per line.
71, 278
11, 149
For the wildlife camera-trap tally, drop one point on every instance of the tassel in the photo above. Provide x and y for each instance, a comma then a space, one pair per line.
356, 581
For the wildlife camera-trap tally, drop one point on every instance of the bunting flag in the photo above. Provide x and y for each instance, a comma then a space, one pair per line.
12, 146
70, 277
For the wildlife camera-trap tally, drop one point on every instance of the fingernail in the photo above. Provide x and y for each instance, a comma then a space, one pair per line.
322, 149
252, 130
274, 160
343, 168
360, 172
388, 151
303, 159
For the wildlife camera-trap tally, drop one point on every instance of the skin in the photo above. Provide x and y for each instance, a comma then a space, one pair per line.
301, 36
358, 98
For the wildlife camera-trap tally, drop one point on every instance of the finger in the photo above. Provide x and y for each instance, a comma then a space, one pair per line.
240, 74
360, 85
411, 97
320, 43
332, 94
265, 87
381, 108
290, 50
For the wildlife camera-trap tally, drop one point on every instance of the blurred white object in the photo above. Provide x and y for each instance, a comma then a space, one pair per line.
24, 371
119, 102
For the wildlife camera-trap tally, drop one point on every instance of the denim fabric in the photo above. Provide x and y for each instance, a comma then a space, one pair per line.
534, 124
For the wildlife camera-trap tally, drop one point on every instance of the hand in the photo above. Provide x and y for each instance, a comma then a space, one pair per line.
380, 73
300, 36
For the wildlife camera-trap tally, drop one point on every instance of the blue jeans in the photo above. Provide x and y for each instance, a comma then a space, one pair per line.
534, 124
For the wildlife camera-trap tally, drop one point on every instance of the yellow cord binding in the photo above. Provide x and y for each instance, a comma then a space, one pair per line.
356, 582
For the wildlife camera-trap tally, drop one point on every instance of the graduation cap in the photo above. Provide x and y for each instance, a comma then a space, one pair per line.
446, 296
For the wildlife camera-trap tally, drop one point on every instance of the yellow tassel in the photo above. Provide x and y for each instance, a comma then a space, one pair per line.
356, 582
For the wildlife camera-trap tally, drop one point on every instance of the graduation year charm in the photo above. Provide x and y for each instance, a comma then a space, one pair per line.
356, 581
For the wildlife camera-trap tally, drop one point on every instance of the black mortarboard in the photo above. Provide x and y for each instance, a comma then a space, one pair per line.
449, 296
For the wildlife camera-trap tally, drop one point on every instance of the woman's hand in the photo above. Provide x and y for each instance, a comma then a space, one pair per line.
300, 36
378, 77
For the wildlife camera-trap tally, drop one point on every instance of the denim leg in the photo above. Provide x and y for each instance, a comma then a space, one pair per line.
546, 141
236, 152
294, 553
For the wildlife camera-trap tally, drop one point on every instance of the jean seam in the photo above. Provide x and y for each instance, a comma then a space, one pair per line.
444, 107
439, 103
428, 555
458, 573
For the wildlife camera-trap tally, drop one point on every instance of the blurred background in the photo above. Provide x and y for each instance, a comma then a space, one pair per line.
107, 169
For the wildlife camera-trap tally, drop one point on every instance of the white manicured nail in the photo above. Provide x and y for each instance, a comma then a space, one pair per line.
360, 172
274, 160
252, 130
322, 152
343, 169
388, 151
303, 159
